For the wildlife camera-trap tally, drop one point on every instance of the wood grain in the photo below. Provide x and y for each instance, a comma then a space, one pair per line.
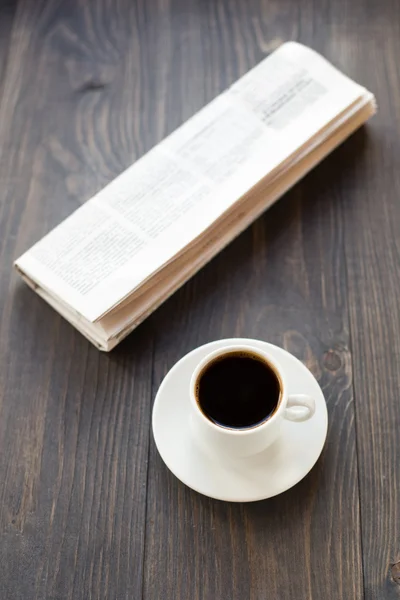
372, 226
74, 423
87, 509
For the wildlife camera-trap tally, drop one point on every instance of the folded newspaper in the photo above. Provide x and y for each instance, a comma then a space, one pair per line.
120, 255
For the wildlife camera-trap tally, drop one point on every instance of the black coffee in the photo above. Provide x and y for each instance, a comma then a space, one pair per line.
238, 390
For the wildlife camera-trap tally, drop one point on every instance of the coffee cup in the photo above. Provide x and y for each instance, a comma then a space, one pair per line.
239, 398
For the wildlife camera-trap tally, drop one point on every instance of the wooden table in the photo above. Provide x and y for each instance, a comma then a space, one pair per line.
87, 508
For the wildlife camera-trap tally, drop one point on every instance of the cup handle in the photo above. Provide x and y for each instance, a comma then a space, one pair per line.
299, 408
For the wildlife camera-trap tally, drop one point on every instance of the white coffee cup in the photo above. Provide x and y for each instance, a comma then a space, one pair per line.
254, 439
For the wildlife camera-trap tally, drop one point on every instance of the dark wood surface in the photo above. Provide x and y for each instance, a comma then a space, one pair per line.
87, 508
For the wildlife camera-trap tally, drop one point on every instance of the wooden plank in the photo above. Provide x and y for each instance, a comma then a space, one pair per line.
74, 423
372, 225
283, 281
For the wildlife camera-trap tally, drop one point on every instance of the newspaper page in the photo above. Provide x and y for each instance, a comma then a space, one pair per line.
168, 198
198, 254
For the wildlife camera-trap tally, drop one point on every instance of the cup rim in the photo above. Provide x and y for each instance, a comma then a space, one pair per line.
230, 349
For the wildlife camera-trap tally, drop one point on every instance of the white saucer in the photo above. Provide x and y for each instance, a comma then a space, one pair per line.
273, 471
